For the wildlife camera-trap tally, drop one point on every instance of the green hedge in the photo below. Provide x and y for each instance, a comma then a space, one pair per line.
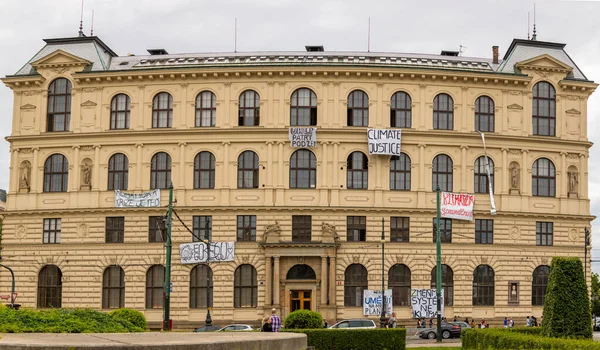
303, 319
135, 317
494, 338
62, 321
355, 339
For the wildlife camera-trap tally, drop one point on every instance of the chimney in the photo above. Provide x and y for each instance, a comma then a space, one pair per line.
495, 54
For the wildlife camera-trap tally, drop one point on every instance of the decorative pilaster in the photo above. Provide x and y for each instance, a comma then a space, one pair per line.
324, 277
525, 170
181, 184
332, 284
226, 164
463, 168
269, 183
276, 281
504, 178
35, 186
324, 166
95, 168
75, 179
268, 282
280, 165
562, 182
138, 170
421, 175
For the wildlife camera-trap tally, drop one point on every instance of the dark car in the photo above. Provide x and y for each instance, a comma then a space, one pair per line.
448, 331
207, 329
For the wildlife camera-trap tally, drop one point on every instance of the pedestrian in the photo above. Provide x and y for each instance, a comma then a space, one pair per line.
275, 320
473, 323
325, 324
431, 322
266, 324
392, 321
505, 322
535, 322
483, 325
528, 322
455, 319
467, 320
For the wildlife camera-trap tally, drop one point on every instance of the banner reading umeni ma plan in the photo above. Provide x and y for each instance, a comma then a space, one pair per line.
383, 141
137, 200
372, 302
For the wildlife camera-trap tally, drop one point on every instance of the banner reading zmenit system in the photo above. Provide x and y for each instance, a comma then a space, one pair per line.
383, 141
457, 206
137, 200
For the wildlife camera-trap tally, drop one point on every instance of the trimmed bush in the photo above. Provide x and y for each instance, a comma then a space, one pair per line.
135, 317
497, 338
355, 339
567, 312
62, 321
303, 319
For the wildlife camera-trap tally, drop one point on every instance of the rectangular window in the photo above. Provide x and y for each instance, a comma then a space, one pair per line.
484, 231
115, 229
301, 228
51, 231
157, 229
356, 229
202, 226
399, 229
246, 228
445, 230
543, 233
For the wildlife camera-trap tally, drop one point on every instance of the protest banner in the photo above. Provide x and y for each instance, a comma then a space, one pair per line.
197, 252
383, 141
457, 206
372, 302
137, 200
424, 303
303, 137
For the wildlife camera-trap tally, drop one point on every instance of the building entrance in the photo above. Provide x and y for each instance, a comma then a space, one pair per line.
301, 300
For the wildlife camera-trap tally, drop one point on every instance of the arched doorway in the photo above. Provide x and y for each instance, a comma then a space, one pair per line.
301, 299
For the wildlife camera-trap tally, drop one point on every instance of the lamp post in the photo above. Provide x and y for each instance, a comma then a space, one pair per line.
438, 269
382, 319
167, 290
208, 320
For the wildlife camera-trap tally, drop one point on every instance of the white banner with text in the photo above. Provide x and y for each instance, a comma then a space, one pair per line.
303, 137
372, 302
197, 252
424, 303
457, 206
137, 200
383, 141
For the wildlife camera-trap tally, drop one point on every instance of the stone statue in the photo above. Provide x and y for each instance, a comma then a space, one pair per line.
272, 233
573, 181
24, 182
514, 177
330, 234
87, 174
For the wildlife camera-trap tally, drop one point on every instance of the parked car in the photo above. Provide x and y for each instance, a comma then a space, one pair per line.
207, 329
354, 324
462, 325
596, 324
448, 331
237, 327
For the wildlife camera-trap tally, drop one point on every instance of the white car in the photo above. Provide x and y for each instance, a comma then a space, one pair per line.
355, 324
236, 327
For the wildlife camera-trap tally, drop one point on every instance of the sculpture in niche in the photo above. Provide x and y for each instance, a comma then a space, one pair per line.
330, 234
573, 181
272, 233
86, 176
514, 177
25, 173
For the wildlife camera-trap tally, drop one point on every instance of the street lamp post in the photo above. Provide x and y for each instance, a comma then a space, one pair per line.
208, 320
438, 269
167, 287
382, 319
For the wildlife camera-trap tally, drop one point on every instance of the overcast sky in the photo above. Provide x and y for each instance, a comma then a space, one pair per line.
180, 26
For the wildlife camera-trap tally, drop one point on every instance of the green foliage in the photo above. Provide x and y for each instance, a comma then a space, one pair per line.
303, 319
596, 293
62, 321
133, 316
355, 339
499, 338
567, 311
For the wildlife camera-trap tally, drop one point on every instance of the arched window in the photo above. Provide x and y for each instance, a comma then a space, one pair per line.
358, 171
155, 284
543, 178
303, 108
201, 287
400, 172
120, 107
484, 114
358, 108
59, 105
355, 282
245, 287
481, 179
447, 283
56, 173
249, 112
248, 170
206, 109
160, 171
539, 284
442, 173
483, 286
118, 172
544, 109
443, 112
50, 287
301, 272
399, 283
113, 288
401, 110
204, 170
303, 169
162, 110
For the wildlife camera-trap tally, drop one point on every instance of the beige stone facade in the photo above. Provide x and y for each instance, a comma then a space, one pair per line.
82, 254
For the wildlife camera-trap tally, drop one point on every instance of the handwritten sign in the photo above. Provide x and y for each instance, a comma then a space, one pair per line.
382, 141
137, 200
372, 302
424, 303
197, 252
303, 137
457, 206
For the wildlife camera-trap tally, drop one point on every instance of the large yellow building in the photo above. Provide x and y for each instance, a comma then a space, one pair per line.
306, 221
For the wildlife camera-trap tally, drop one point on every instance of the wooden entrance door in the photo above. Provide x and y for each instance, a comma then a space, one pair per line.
301, 300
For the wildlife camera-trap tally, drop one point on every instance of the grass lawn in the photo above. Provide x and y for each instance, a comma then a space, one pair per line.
439, 348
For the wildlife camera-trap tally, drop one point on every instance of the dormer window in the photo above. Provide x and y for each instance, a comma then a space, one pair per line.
59, 105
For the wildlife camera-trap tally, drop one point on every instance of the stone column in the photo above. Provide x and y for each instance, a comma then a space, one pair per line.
139, 182
463, 169
181, 183
583, 176
15, 172
336, 172
422, 117
421, 175
35, 186
268, 282
562, 181
332, 284
280, 165
324, 276
504, 174
276, 300
525, 170
74, 183
95, 168
324, 165
269, 183
226, 164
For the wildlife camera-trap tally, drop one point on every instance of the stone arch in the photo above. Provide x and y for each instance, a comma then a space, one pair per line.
301, 272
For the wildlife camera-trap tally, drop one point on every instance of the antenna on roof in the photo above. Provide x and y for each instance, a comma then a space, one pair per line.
527, 25
92, 30
534, 36
460, 49
235, 36
369, 37
81, 21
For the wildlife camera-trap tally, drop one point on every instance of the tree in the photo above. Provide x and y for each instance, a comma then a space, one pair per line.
567, 310
595, 294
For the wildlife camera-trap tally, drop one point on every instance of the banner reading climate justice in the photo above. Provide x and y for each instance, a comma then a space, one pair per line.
457, 206
382, 141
